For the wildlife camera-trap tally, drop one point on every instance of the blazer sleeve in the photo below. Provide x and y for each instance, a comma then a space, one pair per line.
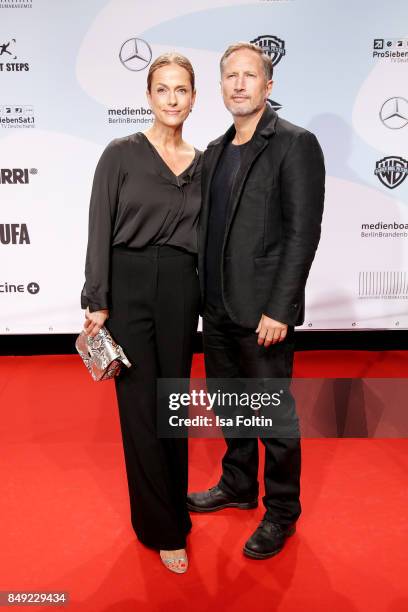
302, 198
102, 211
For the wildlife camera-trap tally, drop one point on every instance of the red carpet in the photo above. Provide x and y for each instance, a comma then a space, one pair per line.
65, 523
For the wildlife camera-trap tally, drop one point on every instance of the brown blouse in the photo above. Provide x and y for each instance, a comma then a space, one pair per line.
137, 201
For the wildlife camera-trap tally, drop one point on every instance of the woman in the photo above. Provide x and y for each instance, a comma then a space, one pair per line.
141, 282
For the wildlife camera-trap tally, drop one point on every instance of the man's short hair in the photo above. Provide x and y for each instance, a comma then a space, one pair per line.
266, 60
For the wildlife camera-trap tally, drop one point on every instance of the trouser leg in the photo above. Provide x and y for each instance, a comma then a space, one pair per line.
240, 461
282, 455
232, 351
154, 514
176, 322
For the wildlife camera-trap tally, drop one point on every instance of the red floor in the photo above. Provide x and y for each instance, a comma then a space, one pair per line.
65, 520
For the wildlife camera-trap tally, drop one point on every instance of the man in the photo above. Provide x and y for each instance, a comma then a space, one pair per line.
263, 193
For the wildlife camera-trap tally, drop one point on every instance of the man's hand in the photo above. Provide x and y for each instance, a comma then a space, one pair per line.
270, 331
94, 321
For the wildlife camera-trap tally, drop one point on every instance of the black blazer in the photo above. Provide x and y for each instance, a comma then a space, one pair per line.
273, 224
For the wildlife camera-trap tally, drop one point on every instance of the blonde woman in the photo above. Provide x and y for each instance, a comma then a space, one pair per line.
141, 282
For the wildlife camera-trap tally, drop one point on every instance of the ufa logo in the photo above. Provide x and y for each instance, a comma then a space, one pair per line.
391, 171
14, 233
272, 46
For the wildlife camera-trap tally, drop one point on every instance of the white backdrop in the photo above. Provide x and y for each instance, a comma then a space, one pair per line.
69, 85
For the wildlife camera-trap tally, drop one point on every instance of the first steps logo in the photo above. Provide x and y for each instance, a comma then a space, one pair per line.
16, 176
391, 171
272, 46
8, 53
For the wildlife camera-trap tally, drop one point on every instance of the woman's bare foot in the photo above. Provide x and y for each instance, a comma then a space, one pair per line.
175, 560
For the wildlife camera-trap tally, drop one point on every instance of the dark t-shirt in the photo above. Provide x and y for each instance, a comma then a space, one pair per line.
137, 201
220, 195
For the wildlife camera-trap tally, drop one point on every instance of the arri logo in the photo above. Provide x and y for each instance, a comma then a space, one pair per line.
272, 46
16, 176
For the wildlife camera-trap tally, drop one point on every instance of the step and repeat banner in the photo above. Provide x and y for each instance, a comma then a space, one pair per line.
73, 77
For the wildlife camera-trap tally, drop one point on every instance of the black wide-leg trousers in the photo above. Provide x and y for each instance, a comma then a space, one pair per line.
154, 313
231, 351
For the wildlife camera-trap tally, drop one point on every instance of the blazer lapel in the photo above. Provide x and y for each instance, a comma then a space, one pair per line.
264, 129
216, 152
260, 140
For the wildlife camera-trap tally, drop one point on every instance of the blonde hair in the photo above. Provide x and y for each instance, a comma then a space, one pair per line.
266, 60
166, 59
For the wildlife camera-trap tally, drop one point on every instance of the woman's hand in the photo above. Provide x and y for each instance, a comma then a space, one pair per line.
94, 321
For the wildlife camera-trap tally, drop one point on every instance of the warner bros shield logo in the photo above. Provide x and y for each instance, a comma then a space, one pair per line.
391, 171
273, 46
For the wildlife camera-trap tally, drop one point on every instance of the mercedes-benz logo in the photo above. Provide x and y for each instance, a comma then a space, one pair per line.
394, 113
135, 54
275, 105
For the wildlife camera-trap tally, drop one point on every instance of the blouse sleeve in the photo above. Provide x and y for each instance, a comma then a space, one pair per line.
102, 210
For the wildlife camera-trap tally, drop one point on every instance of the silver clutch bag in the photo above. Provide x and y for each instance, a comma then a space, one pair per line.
102, 356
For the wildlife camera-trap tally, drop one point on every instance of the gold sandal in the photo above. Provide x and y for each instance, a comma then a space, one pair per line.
178, 565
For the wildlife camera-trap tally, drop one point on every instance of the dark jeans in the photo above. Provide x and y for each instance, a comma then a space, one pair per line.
154, 315
231, 351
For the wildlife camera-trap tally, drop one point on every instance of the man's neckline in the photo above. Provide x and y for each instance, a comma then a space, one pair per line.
240, 145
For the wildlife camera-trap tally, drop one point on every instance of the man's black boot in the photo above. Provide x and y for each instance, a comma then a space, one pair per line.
268, 539
216, 499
